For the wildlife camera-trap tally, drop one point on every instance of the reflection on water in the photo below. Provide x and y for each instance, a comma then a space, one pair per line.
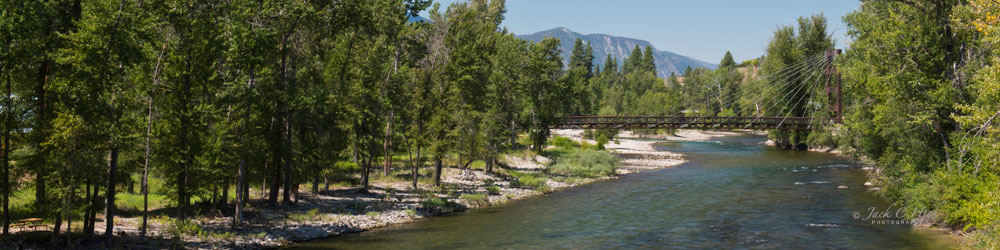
733, 193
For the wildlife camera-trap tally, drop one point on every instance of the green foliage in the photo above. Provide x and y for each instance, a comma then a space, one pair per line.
935, 147
727, 61
180, 228
493, 190
477, 199
601, 141
434, 203
309, 215
563, 142
585, 163
533, 181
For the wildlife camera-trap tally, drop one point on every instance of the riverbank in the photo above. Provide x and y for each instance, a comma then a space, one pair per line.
389, 201
873, 184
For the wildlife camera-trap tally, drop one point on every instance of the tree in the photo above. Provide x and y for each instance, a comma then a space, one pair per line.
189, 82
542, 89
901, 98
727, 61
648, 61
578, 78
634, 61
99, 57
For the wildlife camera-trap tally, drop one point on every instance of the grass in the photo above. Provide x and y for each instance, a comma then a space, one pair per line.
563, 142
478, 199
433, 202
585, 163
493, 190
530, 180
307, 216
127, 202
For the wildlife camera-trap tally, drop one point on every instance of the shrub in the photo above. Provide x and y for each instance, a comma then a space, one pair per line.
530, 181
493, 190
478, 199
601, 140
821, 138
183, 227
586, 163
308, 215
433, 202
563, 142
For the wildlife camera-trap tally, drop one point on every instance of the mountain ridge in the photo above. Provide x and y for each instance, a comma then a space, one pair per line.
618, 47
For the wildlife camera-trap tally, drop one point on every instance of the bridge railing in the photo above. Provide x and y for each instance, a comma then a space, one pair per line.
695, 122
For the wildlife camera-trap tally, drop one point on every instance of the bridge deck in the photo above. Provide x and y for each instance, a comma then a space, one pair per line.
678, 122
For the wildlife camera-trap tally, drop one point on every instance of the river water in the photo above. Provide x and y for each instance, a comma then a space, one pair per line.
733, 193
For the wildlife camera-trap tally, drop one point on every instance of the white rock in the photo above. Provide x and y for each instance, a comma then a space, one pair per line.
842, 187
869, 184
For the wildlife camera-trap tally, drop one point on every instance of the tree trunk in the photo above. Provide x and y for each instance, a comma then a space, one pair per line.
275, 179
41, 171
6, 162
110, 193
86, 212
315, 183
56, 228
489, 164
95, 203
225, 194
387, 167
182, 201
69, 217
214, 198
240, 194
365, 170
414, 163
437, 171
145, 166
149, 133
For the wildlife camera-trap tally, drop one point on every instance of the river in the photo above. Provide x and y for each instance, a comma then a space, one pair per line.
733, 193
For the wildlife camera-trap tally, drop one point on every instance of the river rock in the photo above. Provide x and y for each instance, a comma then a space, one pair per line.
869, 184
842, 187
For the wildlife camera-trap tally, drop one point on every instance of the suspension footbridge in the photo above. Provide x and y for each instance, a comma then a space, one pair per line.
794, 84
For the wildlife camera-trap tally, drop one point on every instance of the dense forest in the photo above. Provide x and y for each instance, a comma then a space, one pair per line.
208, 99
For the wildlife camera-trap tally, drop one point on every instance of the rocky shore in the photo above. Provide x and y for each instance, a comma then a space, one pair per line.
349, 210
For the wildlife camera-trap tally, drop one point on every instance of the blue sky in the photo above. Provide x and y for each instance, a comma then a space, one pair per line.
702, 29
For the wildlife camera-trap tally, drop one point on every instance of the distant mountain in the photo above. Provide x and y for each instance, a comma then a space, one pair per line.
414, 19
620, 48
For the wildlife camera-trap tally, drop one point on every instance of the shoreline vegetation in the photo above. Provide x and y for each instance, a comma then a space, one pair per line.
335, 211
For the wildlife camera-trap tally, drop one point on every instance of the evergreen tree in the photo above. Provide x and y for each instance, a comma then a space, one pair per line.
648, 62
634, 61
727, 61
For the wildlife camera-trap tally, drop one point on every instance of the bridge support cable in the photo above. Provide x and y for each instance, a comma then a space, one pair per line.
796, 77
784, 101
791, 77
832, 74
790, 71
812, 85
788, 74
